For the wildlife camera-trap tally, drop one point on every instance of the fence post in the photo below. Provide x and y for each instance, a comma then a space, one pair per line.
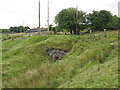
105, 33
90, 31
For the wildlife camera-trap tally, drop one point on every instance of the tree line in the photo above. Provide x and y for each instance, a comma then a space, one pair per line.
16, 29
74, 20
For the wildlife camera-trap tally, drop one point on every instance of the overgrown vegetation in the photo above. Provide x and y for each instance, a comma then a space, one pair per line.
75, 21
92, 61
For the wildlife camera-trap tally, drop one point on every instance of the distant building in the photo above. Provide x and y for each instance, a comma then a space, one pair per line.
119, 9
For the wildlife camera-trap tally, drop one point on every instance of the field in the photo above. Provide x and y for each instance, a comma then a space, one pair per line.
91, 61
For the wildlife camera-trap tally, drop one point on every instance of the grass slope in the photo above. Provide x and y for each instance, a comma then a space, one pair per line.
92, 61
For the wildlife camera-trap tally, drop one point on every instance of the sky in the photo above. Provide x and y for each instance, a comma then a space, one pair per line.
25, 12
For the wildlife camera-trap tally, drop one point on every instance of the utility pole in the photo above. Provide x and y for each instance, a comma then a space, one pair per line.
39, 17
119, 9
48, 16
76, 19
23, 23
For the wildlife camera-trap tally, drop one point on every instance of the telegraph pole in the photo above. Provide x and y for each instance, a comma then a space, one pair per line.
39, 17
48, 16
119, 9
76, 19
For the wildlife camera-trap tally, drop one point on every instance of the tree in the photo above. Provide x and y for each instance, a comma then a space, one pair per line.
66, 19
113, 25
50, 27
99, 20
18, 29
11, 29
4, 31
26, 28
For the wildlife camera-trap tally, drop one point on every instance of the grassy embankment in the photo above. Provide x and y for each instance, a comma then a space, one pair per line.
92, 61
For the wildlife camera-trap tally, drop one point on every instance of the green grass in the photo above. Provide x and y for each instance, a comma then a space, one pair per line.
92, 61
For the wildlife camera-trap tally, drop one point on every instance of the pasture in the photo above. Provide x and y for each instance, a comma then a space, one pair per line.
91, 61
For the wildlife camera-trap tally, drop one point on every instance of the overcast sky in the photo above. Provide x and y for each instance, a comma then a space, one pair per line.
25, 12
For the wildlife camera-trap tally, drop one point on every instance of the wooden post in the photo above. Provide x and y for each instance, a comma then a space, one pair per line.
90, 32
48, 16
76, 19
39, 30
105, 33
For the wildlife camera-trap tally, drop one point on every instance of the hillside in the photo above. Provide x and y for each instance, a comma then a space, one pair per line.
91, 61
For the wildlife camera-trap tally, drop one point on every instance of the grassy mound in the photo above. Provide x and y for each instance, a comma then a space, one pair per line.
92, 61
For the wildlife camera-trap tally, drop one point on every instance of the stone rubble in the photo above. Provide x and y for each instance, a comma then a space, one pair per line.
56, 54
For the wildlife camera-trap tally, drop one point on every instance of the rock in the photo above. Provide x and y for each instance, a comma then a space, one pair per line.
56, 54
